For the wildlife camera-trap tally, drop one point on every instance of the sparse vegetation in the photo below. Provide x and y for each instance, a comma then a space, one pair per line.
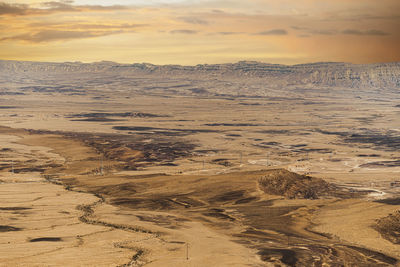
292, 185
389, 227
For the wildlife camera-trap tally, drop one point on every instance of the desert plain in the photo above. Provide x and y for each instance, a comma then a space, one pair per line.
112, 165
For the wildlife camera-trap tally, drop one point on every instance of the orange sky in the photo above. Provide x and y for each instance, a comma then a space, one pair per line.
201, 31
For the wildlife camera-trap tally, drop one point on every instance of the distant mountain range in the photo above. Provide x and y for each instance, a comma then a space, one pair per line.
325, 74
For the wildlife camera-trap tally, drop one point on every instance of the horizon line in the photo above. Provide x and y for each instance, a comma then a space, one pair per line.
199, 64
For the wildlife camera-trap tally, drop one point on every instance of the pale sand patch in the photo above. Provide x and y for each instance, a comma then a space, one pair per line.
206, 246
47, 213
351, 221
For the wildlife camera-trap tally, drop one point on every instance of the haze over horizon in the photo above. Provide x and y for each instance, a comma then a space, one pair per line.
188, 32
198, 64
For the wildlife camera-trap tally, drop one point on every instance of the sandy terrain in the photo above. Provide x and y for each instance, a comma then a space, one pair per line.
113, 177
43, 214
46, 229
157, 216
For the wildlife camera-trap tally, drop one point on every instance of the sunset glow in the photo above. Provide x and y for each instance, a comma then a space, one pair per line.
192, 32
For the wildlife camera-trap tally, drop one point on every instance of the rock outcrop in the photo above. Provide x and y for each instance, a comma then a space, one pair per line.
343, 75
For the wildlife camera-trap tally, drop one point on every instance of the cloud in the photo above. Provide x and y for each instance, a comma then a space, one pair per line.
183, 31
194, 20
375, 17
59, 6
299, 28
84, 26
352, 32
376, 32
367, 32
12, 9
52, 7
371, 32
40, 26
274, 32
228, 33
56, 35
309, 31
322, 32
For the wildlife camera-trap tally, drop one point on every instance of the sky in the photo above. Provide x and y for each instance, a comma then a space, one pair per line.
190, 32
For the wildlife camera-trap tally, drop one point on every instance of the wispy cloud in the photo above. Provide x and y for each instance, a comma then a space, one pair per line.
371, 32
13, 9
299, 28
265, 27
367, 32
194, 20
183, 31
84, 26
228, 33
59, 6
322, 32
52, 7
274, 32
56, 35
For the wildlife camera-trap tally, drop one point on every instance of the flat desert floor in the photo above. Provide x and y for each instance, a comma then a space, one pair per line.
116, 178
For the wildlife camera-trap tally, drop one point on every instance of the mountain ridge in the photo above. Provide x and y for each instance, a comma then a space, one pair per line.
328, 74
201, 64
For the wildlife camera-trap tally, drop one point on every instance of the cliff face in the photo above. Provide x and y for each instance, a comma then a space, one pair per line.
344, 75
352, 76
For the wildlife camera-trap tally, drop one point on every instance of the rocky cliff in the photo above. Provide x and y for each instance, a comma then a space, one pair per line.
344, 75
